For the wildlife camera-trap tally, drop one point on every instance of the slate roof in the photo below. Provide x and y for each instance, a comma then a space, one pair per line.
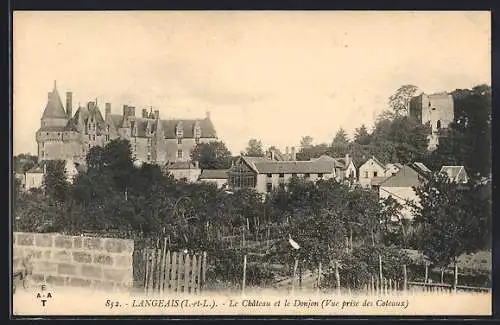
168, 126
339, 162
54, 107
405, 177
214, 174
419, 167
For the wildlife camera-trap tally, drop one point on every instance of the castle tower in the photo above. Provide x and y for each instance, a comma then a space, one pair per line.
54, 113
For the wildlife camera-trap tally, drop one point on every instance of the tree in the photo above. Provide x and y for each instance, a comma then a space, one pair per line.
362, 136
306, 142
55, 181
451, 220
254, 148
400, 100
212, 155
341, 138
24, 162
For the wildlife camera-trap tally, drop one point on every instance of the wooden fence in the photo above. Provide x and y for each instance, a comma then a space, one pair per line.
178, 272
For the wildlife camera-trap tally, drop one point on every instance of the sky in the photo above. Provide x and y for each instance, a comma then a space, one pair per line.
274, 76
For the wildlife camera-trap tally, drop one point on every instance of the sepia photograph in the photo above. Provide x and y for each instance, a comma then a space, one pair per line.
241, 163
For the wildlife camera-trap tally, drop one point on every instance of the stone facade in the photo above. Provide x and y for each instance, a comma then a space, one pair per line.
93, 262
65, 136
435, 109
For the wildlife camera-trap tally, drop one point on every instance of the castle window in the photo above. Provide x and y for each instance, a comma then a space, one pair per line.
438, 124
93, 137
269, 187
197, 140
149, 157
179, 154
374, 174
179, 131
320, 175
281, 175
269, 175
179, 140
107, 128
107, 137
366, 174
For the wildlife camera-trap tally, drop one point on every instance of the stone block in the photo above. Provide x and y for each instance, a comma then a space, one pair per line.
44, 267
17, 252
65, 242
114, 245
43, 240
82, 257
66, 269
116, 275
103, 259
78, 242
79, 282
25, 239
47, 254
55, 280
91, 271
92, 243
102, 285
123, 261
33, 252
38, 278
61, 255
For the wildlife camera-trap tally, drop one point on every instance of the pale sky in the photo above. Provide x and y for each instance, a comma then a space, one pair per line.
275, 76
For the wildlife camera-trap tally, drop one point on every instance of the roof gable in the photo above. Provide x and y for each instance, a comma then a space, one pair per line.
405, 177
455, 173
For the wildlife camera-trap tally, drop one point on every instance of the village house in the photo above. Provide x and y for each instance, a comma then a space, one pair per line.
64, 136
456, 174
187, 170
217, 176
373, 171
33, 178
400, 187
264, 174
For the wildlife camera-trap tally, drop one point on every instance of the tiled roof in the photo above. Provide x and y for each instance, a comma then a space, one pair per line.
378, 162
214, 174
339, 162
421, 167
377, 180
54, 107
52, 129
405, 177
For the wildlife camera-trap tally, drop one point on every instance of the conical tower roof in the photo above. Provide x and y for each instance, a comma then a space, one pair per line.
54, 108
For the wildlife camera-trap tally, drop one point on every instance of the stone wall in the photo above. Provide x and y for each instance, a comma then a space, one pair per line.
101, 263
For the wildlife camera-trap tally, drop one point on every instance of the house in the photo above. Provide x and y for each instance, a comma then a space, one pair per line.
217, 176
275, 154
400, 187
190, 171
373, 171
456, 173
34, 177
264, 174
345, 170
63, 135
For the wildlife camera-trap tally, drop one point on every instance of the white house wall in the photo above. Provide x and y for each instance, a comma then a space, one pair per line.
401, 195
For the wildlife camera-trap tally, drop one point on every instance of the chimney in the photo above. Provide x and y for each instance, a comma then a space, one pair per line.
144, 113
157, 114
272, 154
292, 154
125, 110
108, 108
69, 104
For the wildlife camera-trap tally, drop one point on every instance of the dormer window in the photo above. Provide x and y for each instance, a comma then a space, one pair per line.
179, 132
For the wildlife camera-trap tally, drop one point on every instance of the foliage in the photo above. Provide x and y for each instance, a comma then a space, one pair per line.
212, 155
306, 141
400, 100
24, 162
254, 148
55, 181
453, 219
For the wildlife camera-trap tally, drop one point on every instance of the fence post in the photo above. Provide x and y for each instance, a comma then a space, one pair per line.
294, 280
146, 271
173, 277
380, 268
187, 264
426, 272
162, 265
455, 282
319, 277
405, 278
194, 270
244, 274
204, 268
